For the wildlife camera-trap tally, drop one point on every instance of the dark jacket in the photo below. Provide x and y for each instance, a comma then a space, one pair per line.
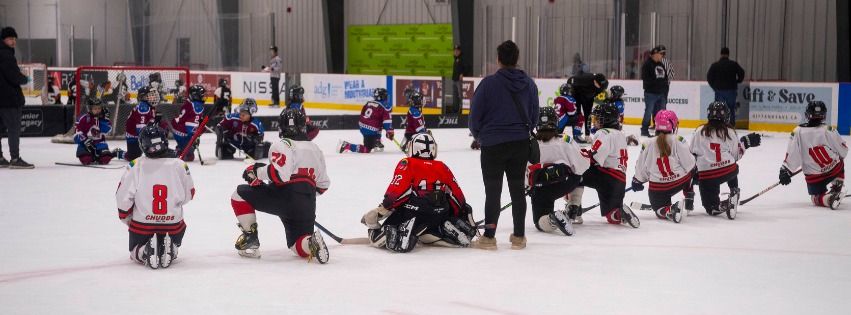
654, 77
725, 74
457, 69
10, 79
493, 116
583, 85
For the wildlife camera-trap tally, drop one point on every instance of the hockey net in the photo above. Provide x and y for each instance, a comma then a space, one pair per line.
116, 86
35, 90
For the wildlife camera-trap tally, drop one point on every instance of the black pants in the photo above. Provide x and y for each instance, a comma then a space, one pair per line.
429, 216
710, 188
508, 158
543, 198
294, 203
11, 119
137, 239
609, 189
276, 97
457, 97
662, 197
584, 104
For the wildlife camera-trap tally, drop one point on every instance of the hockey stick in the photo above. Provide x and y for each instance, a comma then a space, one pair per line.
399, 145
117, 167
586, 209
766, 189
344, 241
247, 156
196, 134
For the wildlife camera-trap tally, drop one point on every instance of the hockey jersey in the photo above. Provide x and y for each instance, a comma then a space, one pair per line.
241, 131
188, 119
565, 107
141, 115
292, 161
559, 151
819, 150
152, 193
373, 117
414, 122
715, 156
92, 127
664, 172
608, 152
419, 177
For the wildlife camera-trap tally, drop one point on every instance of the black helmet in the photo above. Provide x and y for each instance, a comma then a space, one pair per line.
718, 111
223, 82
379, 94
601, 80
178, 82
153, 141
816, 111
616, 91
566, 89
197, 92
415, 99
547, 119
607, 115
146, 94
296, 94
155, 77
92, 102
292, 124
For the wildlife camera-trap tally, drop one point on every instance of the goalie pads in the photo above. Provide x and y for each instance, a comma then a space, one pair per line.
400, 238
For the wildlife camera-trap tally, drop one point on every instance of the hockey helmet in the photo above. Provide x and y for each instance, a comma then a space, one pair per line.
667, 121
816, 110
379, 94
607, 115
148, 95
718, 111
601, 80
153, 141
616, 92
547, 119
415, 99
248, 105
296, 94
223, 82
197, 92
93, 102
422, 146
565, 89
293, 124
155, 80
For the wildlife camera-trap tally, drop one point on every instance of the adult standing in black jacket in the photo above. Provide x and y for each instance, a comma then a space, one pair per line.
503, 130
654, 77
585, 87
723, 76
11, 97
457, 83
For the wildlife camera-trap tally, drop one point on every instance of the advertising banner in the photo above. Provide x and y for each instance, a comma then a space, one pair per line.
335, 91
405, 49
210, 81
430, 87
779, 106
256, 85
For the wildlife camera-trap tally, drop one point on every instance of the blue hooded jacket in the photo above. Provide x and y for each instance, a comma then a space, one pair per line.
493, 115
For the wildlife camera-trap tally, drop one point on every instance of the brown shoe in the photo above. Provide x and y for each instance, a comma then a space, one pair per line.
484, 242
517, 242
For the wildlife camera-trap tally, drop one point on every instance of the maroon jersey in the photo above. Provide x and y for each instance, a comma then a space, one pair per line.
414, 123
188, 119
91, 127
141, 116
418, 177
239, 130
373, 117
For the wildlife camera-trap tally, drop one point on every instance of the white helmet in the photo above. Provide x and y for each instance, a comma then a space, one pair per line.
422, 146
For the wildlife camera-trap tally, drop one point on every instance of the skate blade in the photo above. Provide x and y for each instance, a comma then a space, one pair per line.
249, 253
633, 220
165, 257
318, 248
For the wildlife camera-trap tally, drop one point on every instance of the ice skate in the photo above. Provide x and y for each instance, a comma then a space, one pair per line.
317, 248
689, 201
837, 193
559, 221
629, 217
150, 256
675, 213
731, 205
574, 214
248, 243
169, 252
342, 146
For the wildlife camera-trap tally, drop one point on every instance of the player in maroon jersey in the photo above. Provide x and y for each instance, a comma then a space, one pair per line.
374, 116
90, 139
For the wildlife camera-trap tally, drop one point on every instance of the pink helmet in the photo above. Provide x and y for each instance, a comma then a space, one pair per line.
667, 121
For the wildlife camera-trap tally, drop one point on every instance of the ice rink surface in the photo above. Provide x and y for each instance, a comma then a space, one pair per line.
65, 252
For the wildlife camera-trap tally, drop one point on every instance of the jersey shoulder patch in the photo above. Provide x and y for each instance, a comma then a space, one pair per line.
403, 164
287, 142
567, 138
132, 163
681, 139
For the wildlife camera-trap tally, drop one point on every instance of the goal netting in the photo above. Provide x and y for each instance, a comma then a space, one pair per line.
116, 87
35, 90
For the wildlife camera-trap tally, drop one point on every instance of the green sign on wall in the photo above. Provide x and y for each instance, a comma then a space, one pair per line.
407, 49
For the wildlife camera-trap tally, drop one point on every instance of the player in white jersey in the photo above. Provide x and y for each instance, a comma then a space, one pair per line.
607, 174
717, 149
287, 188
820, 151
666, 162
150, 199
558, 174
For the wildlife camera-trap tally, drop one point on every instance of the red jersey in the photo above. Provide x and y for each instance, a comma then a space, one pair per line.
419, 177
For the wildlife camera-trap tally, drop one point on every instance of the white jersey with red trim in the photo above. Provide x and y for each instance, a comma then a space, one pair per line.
714, 152
564, 151
292, 161
816, 149
608, 149
152, 193
652, 167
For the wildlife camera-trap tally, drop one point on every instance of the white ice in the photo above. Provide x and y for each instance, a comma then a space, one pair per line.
65, 252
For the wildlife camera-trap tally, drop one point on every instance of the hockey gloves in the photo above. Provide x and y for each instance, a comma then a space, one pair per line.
90, 145
751, 140
250, 174
104, 112
389, 134
785, 176
637, 185
373, 217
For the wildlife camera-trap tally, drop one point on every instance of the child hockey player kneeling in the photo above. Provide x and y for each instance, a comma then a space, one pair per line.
820, 151
374, 116
241, 131
559, 173
716, 150
666, 163
286, 188
183, 126
91, 142
423, 202
150, 198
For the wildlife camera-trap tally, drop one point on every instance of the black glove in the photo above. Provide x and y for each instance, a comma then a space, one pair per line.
250, 174
785, 176
104, 112
637, 185
751, 140
90, 145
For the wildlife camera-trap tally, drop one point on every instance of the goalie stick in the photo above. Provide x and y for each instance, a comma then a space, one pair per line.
344, 241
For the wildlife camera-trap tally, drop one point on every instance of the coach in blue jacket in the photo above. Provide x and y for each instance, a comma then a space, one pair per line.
504, 136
